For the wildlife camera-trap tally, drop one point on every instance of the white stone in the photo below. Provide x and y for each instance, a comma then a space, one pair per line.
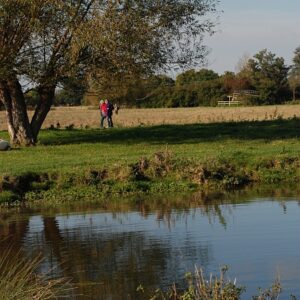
4, 145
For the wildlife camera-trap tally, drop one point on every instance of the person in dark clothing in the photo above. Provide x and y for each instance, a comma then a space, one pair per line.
110, 108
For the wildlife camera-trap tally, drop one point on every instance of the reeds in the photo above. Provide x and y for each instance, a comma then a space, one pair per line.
201, 288
19, 280
214, 288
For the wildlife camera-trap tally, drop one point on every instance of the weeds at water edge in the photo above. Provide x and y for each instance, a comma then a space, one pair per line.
18, 279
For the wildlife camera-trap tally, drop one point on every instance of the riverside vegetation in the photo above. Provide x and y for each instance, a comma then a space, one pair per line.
91, 164
20, 281
215, 287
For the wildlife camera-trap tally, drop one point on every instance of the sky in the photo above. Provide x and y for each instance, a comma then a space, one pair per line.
248, 26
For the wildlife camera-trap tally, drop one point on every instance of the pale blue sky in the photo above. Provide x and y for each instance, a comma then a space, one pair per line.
248, 26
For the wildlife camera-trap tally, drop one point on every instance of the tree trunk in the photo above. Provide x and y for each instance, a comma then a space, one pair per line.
20, 130
294, 93
46, 94
17, 119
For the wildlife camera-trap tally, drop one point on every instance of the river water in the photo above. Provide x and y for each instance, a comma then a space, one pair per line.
108, 252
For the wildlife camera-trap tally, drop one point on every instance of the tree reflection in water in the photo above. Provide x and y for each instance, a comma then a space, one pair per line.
12, 233
106, 264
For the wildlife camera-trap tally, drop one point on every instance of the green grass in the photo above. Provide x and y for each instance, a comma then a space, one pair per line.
76, 150
266, 151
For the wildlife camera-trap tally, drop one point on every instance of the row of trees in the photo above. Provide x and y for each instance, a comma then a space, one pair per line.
265, 74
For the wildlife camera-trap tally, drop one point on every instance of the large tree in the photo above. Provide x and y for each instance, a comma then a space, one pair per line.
268, 75
43, 42
294, 75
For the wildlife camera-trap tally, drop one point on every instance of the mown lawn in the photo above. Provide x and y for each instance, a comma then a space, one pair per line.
77, 150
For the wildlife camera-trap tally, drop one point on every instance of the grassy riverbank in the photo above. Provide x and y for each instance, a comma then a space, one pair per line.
85, 163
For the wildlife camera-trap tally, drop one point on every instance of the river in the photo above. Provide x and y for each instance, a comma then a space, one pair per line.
110, 251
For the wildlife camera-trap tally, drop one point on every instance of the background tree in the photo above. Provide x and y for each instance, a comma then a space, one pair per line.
71, 92
268, 75
42, 42
294, 75
191, 88
235, 82
125, 91
191, 76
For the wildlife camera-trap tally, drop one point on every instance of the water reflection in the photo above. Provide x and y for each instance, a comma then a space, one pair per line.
109, 253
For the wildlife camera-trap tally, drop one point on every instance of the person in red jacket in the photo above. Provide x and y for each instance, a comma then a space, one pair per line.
103, 112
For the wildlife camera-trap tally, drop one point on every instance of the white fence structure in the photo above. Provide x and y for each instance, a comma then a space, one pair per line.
233, 100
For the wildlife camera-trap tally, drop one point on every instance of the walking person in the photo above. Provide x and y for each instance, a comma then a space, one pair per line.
103, 112
110, 108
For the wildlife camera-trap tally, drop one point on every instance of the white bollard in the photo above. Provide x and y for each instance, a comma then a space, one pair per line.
4, 145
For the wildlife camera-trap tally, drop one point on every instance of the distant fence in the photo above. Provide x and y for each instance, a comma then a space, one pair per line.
229, 102
233, 99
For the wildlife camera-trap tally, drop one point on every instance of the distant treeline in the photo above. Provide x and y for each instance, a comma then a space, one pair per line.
267, 76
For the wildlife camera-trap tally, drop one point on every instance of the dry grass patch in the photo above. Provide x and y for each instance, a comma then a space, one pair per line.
89, 116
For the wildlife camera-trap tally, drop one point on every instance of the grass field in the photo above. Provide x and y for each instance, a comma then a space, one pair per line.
231, 153
75, 150
89, 116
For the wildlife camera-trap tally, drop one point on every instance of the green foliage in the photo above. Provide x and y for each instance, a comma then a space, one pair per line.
232, 82
195, 76
294, 75
8, 197
72, 92
191, 88
268, 75
264, 74
197, 93
32, 98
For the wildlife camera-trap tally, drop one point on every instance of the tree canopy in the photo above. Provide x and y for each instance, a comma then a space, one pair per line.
195, 76
268, 76
294, 75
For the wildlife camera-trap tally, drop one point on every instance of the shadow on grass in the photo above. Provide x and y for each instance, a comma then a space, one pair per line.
177, 134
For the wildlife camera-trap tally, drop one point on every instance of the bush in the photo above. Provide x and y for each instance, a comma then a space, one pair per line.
8, 197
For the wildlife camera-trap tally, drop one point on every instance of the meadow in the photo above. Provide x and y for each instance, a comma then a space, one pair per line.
155, 158
83, 116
